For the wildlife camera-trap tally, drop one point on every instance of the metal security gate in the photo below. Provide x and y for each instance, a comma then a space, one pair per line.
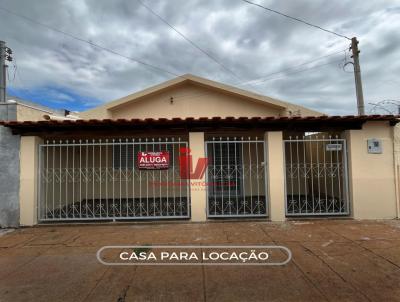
100, 180
316, 176
236, 177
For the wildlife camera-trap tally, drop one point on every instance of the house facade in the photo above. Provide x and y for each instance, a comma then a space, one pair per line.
194, 149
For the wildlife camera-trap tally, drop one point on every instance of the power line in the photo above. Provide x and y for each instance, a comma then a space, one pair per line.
297, 19
88, 42
293, 67
17, 77
188, 40
265, 80
298, 71
382, 105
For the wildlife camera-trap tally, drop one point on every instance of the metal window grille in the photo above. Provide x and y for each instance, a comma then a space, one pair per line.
222, 186
316, 176
236, 177
100, 180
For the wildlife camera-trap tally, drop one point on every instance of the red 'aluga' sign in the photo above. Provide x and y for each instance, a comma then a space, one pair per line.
153, 160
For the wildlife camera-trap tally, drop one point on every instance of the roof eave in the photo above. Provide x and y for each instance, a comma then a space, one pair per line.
320, 123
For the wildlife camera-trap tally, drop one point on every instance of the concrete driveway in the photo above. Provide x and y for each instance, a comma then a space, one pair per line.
333, 260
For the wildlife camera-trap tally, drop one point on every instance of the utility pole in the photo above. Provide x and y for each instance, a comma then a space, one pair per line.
357, 76
5, 55
2, 71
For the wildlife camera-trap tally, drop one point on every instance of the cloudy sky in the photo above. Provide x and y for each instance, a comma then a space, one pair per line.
264, 52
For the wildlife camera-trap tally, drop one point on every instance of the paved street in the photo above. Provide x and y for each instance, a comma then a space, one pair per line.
333, 260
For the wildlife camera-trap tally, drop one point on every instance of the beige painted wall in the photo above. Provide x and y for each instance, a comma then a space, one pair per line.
198, 192
372, 179
276, 176
193, 90
188, 101
396, 135
25, 113
28, 180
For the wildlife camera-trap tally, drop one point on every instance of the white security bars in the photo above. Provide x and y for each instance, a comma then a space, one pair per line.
100, 180
236, 177
316, 176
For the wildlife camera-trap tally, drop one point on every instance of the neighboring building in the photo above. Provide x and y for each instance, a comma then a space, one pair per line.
23, 110
15, 109
252, 157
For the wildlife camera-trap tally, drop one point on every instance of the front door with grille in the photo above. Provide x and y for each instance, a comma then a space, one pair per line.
236, 178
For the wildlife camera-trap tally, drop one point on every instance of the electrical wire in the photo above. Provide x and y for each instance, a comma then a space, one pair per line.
17, 78
189, 40
293, 67
15, 67
297, 19
195, 45
189, 96
381, 105
89, 42
299, 71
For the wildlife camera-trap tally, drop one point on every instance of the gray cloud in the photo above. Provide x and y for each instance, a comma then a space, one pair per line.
249, 41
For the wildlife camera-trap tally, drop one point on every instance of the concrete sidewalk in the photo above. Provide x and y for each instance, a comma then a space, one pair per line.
333, 260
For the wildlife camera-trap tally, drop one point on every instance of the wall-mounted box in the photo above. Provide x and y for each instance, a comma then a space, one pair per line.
374, 146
